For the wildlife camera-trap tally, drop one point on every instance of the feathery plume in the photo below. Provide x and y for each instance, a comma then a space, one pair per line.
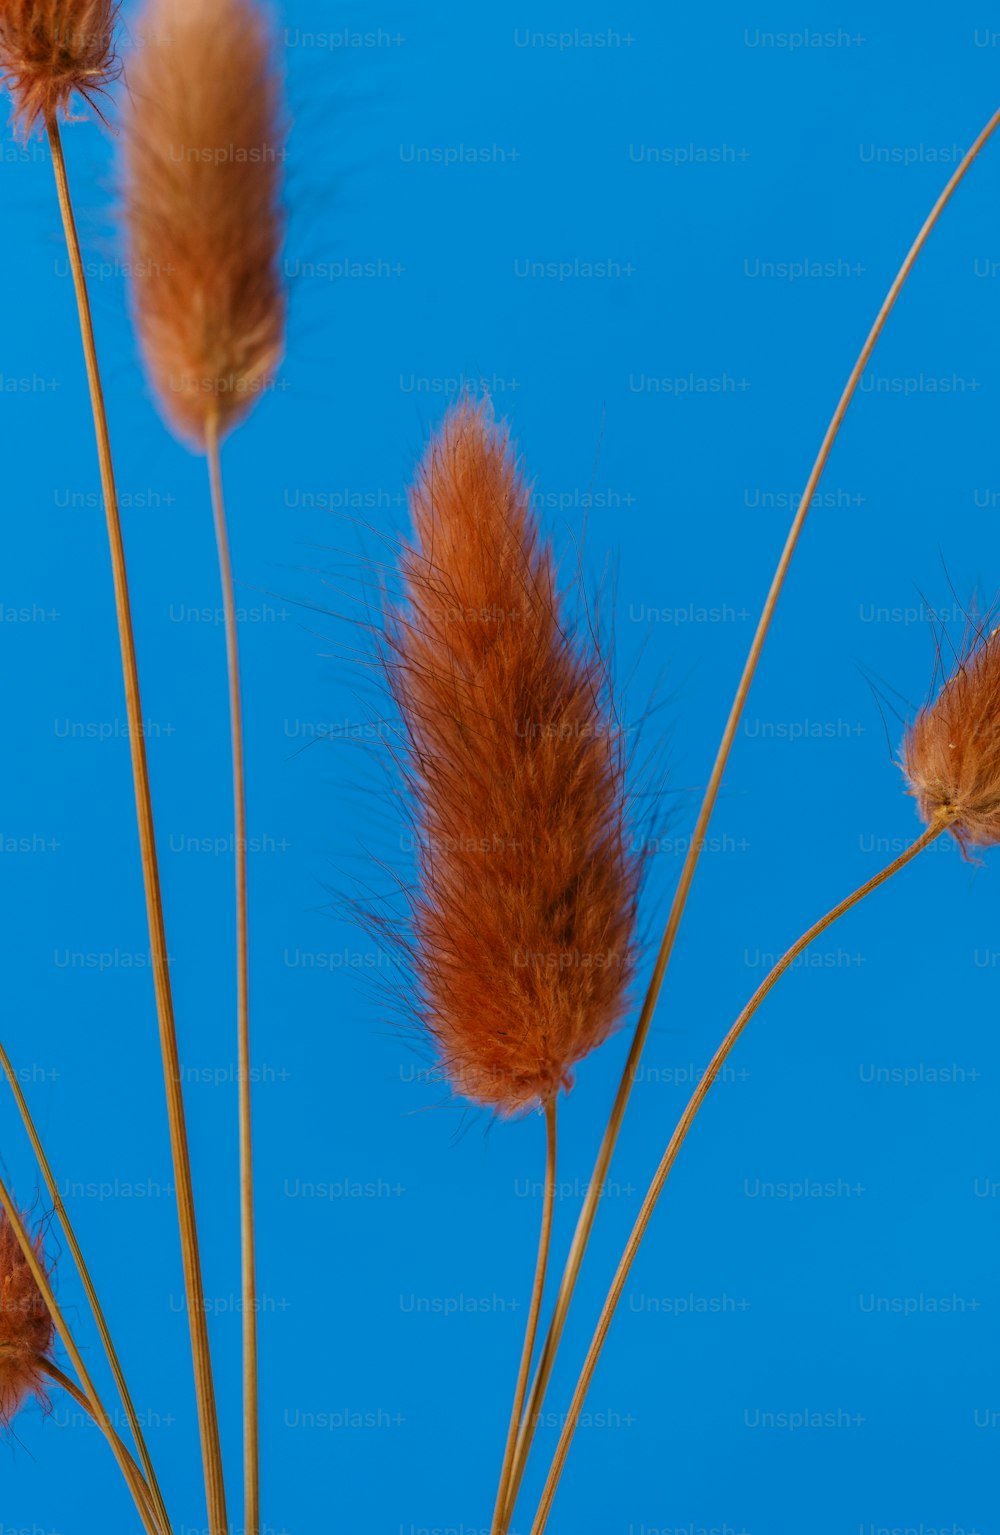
26, 1328
204, 150
520, 931
52, 50
951, 753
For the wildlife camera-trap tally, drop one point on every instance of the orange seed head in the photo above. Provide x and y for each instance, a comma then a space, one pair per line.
520, 932
26, 1328
204, 148
52, 50
951, 753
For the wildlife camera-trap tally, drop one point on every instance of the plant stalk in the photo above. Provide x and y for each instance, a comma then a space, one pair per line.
201, 1355
588, 1210
251, 1411
531, 1330
90, 1289
136, 1479
95, 1405
934, 830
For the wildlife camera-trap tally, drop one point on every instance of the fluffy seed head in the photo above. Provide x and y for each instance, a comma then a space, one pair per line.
26, 1329
520, 931
51, 50
203, 142
951, 753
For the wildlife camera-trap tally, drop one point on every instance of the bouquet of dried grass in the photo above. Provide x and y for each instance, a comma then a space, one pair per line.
520, 929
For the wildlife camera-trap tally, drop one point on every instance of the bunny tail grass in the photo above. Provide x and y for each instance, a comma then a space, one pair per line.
204, 1383
938, 825
588, 1210
52, 1188
204, 150
531, 1330
251, 1410
53, 50
520, 930
35, 1266
26, 1328
951, 751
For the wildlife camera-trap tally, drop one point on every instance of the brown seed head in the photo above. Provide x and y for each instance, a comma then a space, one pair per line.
521, 929
204, 149
951, 753
26, 1329
51, 50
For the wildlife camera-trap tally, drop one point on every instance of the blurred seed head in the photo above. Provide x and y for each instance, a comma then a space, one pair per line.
52, 50
26, 1328
203, 141
951, 752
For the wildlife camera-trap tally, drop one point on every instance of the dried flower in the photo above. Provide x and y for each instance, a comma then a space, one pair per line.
951, 754
204, 151
51, 50
521, 930
26, 1328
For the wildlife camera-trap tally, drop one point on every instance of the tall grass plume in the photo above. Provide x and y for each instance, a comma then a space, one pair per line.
520, 931
53, 50
27, 1333
204, 148
951, 752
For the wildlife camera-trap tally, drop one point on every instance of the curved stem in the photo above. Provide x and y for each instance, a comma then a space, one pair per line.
677, 1140
89, 1287
588, 1211
531, 1330
138, 1483
251, 1423
201, 1355
95, 1405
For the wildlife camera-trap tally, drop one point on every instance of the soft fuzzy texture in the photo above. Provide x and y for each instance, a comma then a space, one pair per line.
26, 1329
951, 754
51, 50
204, 148
521, 928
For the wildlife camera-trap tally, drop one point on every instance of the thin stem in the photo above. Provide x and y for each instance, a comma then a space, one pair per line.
201, 1355
531, 1330
251, 1419
41, 1279
677, 1140
89, 1287
588, 1211
60, 1378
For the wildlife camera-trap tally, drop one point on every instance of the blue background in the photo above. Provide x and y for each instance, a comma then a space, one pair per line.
397, 1230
